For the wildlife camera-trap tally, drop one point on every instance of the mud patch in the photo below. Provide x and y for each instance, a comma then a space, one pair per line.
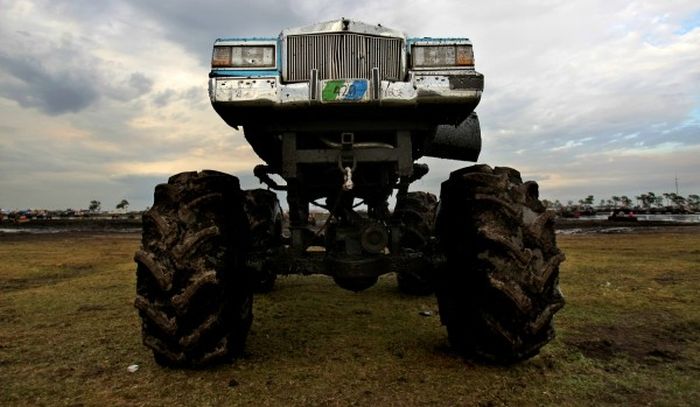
681, 278
648, 344
598, 348
8, 315
668, 279
52, 276
91, 308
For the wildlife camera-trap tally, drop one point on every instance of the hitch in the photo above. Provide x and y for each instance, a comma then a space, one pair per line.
347, 153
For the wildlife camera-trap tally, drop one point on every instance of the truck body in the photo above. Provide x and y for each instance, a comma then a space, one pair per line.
341, 111
346, 76
344, 103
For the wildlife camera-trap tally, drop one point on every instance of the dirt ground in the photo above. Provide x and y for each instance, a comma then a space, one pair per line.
629, 334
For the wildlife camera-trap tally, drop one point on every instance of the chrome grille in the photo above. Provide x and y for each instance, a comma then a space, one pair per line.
342, 55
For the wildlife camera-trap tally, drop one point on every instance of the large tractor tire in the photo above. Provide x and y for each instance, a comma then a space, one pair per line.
265, 219
193, 290
415, 212
499, 288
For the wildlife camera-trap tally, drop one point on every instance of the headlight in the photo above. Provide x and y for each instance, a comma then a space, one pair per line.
442, 55
244, 56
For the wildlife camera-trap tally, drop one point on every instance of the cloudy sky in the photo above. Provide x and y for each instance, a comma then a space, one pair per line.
104, 99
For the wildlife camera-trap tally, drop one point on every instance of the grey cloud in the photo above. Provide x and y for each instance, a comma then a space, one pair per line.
162, 99
194, 95
133, 87
196, 25
140, 82
52, 91
65, 82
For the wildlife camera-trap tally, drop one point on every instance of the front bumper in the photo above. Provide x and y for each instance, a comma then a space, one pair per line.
235, 97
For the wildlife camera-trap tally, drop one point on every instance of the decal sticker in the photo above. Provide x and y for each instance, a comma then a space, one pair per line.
344, 90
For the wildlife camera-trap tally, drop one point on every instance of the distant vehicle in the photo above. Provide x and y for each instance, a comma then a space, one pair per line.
68, 213
623, 214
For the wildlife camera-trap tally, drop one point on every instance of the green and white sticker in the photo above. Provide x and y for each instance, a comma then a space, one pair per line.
344, 90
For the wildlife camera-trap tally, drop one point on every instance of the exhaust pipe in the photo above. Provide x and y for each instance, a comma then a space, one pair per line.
462, 142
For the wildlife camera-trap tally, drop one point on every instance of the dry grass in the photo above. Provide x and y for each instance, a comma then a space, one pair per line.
629, 334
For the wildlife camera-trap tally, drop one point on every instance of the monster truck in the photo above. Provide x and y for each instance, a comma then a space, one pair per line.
340, 111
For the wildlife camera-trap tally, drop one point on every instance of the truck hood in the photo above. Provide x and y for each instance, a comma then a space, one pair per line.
344, 25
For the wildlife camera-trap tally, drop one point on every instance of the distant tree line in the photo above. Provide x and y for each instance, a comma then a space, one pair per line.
94, 209
646, 202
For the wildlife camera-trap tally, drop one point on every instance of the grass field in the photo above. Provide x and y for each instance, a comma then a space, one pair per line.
630, 334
